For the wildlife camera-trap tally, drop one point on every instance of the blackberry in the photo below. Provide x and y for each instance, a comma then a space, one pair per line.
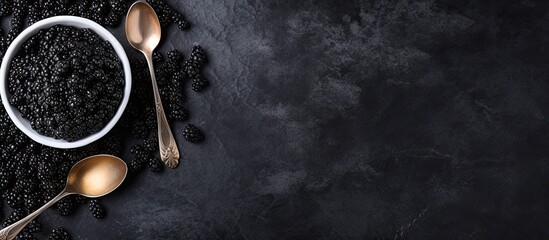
113, 144
183, 25
15, 216
150, 118
51, 189
6, 8
59, 234
150, 144
65, 206
191, 68
117, 7
97, 209
174, 56
179, 75
13, 199
80, 199
157, 57
177, 112
155, 165
25, 236
199, 83
47, 170
112, 21
99, 9
18, 13
198, 55
6, 178
28, 184
192, 134
34, 226
136, 165
138, 151
139, 129
32, 201
139, 160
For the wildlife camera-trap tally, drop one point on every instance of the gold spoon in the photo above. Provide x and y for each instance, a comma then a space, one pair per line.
91, 177
143, 33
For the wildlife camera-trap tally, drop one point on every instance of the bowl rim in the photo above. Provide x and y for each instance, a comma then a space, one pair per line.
24, 124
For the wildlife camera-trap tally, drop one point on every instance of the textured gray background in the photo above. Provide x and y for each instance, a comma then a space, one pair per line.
353, 120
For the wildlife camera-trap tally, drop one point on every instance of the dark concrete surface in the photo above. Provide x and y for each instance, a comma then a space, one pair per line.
353, 120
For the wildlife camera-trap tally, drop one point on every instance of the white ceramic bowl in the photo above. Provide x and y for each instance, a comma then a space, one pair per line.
22, 123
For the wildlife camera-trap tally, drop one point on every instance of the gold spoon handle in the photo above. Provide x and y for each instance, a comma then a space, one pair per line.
11, 231
169, 153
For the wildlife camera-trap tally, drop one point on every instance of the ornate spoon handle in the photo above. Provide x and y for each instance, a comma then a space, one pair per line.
169, 153
11, 231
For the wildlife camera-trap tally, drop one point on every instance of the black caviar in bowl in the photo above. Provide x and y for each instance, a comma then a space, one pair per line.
67, 81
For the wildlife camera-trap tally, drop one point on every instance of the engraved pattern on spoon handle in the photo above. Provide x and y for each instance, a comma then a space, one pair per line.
11, 231
169, 152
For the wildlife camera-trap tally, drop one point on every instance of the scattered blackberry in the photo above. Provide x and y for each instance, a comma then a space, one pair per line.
178, 75
112, 21
13, 199
28, 185
150, 144
6, 8
52, 188
139, 160
157, 57
177, 112
139, 152
192, 134
117, 7
198, 55
113, 144
99, 8
139, 129
59, 234
34, 226
65, 206
32, 201
183, 25
18, 13
191, 68
80, 199
155, 165
150, 119
174, 56
47, 170
199, 83
97, 209
6, 178
25, 236
15, 216
136, 165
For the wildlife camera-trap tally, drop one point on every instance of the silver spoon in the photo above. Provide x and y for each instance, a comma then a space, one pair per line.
143, 33
91, 177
